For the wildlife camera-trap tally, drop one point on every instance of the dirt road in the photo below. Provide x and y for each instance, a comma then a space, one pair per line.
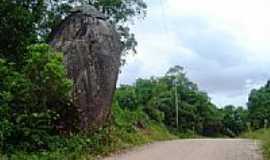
197, 149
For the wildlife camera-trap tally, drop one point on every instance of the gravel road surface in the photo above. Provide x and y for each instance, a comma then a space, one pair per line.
195, 149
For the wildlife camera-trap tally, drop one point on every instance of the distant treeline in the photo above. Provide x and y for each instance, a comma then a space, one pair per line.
158, 97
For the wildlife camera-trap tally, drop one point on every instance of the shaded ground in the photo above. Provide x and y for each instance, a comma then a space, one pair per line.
195, 149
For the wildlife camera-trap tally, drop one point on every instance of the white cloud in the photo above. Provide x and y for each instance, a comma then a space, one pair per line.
247, 20
223, 45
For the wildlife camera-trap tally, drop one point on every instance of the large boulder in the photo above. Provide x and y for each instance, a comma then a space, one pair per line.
92, 51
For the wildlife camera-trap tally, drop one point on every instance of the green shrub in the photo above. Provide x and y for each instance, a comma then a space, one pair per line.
126, 97
33, 101
129, 120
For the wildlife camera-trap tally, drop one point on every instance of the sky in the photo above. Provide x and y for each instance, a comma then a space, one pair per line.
222, 44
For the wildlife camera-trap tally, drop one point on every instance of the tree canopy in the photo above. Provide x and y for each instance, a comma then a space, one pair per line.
197, 114
18, 27
259, 106
24, 22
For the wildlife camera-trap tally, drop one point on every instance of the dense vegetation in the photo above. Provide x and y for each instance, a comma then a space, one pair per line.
259, 107
32, 101
126, 129
157, 97
37, 118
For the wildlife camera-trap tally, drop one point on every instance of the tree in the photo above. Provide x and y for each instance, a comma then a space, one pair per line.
259, 106
212, 121
34, 104
196, 112
234, 120
18, 27
144, 90
126, 97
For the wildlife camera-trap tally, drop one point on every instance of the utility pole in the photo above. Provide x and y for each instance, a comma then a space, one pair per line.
265, 124
176, 103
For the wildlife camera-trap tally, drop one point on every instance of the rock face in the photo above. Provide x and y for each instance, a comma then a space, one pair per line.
92, 52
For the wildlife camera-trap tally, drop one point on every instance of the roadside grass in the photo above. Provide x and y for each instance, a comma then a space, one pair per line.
127, 129
264, 136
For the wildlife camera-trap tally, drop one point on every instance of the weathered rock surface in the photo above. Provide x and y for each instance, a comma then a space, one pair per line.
92, 52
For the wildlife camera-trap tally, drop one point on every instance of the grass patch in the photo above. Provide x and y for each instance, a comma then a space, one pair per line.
264, 136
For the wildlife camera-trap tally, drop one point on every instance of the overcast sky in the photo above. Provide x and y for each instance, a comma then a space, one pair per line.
224, 45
